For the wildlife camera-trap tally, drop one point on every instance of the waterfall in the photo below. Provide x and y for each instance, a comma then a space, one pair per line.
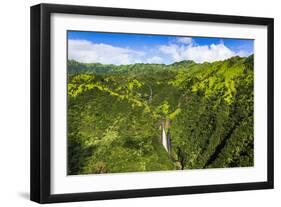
164, 139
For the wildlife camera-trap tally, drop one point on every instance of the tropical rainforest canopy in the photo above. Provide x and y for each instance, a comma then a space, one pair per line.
115, 113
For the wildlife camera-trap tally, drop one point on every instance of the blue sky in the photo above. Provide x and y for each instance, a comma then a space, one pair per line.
117, 48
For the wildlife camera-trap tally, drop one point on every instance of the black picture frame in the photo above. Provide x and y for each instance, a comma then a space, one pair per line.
41, 97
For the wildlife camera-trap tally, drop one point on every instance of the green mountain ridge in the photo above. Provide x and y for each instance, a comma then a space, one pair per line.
115, 115
77, 67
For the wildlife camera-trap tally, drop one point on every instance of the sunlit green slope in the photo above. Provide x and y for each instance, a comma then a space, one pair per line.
115, 113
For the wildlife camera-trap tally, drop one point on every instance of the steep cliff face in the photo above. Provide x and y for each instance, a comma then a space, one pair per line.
205, 113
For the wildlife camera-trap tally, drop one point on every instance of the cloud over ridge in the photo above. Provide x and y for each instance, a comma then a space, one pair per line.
181, 48
198, 53
89, 52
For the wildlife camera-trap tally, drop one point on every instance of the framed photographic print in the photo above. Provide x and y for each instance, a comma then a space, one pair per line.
132, 103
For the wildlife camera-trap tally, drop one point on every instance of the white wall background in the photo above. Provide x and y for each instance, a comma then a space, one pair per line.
14, 101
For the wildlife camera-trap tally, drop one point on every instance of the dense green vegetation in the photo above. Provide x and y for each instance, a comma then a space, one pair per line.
115, 113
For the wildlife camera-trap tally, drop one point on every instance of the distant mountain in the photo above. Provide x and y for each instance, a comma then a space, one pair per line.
98, 68
183, 63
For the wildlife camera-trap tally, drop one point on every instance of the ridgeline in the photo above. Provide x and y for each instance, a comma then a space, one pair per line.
116, 115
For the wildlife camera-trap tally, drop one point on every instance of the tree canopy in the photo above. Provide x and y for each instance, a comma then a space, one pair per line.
114, 113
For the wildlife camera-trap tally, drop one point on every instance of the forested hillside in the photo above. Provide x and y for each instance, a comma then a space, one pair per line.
115, 115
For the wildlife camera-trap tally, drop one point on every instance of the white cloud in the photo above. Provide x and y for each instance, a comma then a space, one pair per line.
175, 51
89, 52
154, 59
243, 53
199, 53
184, 40
181, 48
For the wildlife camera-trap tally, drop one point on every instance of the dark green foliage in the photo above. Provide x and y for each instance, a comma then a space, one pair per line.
114, 116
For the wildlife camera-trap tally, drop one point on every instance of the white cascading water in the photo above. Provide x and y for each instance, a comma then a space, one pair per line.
164, 139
